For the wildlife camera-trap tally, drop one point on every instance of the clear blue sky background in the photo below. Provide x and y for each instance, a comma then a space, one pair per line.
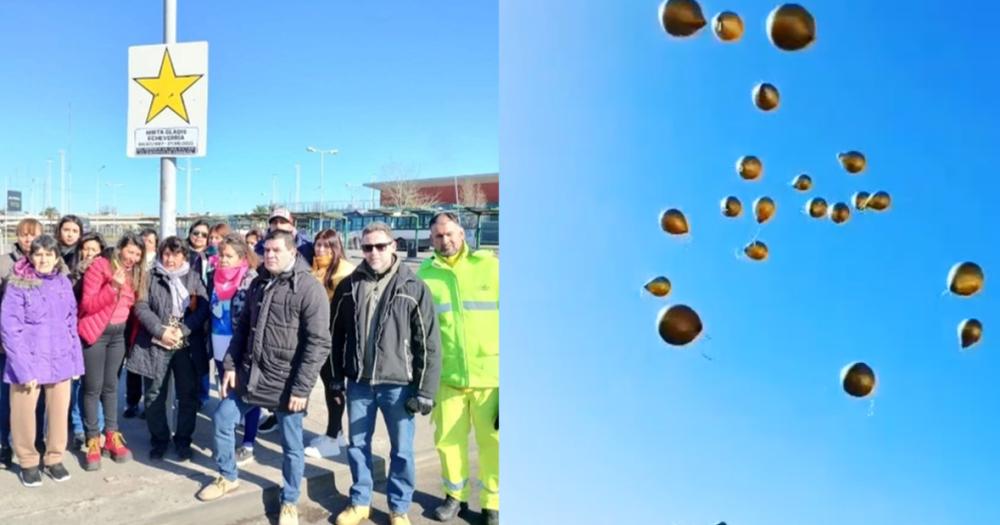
606, 121
404, 84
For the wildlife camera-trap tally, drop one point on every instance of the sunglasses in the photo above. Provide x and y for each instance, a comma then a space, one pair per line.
367, 248
199, 233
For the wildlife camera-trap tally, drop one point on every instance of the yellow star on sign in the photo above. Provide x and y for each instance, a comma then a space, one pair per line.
167, 89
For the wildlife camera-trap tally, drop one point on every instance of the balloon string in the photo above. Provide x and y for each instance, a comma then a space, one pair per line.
703, 354
871, 407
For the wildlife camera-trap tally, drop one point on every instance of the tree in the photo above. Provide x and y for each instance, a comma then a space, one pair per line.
471, 194
50, 213
261, 209
402, 192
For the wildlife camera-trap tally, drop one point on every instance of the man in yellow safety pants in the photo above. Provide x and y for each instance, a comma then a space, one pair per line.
465, 286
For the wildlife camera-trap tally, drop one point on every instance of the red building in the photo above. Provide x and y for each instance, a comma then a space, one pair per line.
472, 190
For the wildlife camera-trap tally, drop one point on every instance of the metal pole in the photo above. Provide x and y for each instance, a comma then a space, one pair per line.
187, 202
298, 183
321, 174
48, 185
97, 202
62, 181
168, 165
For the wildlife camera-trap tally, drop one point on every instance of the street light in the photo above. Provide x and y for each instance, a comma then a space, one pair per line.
114, 194
97, 200
189, 170
322, 154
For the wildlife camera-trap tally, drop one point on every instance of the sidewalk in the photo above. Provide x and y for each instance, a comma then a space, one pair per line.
163, 492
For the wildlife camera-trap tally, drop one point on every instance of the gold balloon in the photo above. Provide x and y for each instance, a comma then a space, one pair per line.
858, 379
764, 208
970, 331
840, 213
728, 26
765, 96
673, 222
756, 250
852, 161
681, 18
678, 324
749, 167
878, 201
802, 182
731, 206
658, 286
966, 279
860, 200
816, 207
790, 27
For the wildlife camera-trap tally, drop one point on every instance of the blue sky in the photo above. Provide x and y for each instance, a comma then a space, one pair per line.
605, 122
405, 85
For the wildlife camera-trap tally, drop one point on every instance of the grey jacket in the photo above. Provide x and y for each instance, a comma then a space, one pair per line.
282, 338
150, 360
407, 341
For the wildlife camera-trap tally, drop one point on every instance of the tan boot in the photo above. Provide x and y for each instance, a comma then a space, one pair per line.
353, 515
218, 488
399, 519
289, 514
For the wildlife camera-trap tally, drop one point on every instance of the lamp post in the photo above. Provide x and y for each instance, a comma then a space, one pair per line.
322, 154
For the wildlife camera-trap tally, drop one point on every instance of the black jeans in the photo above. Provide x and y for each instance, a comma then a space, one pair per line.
101, 363
133, 388
179, 365
334, 410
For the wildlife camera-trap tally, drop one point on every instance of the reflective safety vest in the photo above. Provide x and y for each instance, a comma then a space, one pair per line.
467, 302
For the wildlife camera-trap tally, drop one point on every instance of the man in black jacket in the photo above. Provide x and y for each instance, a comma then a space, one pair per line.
387, 346
279, 344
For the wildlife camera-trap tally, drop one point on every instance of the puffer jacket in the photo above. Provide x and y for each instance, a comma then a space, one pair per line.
408, 341
148, 359
282, 338
39, 328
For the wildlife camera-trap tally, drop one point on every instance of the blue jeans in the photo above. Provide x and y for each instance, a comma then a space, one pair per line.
76, 409
251, 420
363, 402
293, 463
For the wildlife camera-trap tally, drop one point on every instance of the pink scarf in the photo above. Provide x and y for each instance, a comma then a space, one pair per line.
227, 280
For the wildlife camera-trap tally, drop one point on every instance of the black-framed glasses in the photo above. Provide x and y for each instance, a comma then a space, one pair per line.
367, 248
199, 233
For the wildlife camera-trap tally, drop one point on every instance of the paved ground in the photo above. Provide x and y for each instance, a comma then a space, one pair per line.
163, 492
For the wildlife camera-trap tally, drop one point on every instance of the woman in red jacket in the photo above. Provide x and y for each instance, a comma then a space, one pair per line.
110, 287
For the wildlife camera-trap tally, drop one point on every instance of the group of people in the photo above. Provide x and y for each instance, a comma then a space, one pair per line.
275, 313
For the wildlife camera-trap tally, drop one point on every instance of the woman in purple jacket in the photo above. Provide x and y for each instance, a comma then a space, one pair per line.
38, 323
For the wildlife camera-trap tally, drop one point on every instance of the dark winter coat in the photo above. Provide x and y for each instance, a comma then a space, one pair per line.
282, 338
153, 311
407, 340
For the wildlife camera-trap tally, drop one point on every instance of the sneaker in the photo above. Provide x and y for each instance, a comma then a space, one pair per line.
57, 472
218, 488
399, 519
130, 412
6, 457
449, 509
93, 460
342, 440
289, 514
490, 517
114, 447
323, 447
31, 477
268, 425
353, 515
244, 455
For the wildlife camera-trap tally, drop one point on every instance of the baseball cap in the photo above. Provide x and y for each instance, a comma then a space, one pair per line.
281, 213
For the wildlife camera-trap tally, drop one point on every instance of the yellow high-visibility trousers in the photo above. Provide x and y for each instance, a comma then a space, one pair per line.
456, 411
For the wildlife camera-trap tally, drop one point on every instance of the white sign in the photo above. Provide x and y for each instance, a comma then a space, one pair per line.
167, 100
